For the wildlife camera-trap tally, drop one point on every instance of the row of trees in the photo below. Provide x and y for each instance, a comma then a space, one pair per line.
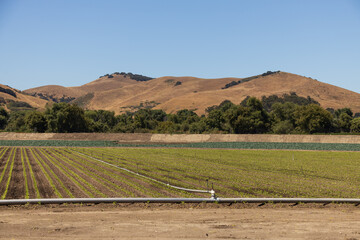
299, 115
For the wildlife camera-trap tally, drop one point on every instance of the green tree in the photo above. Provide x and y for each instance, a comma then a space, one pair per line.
344, 122
35, 121
249, 119
125, 123
282, 117
313, 119
167, 127
100, 120
4, 117
16, 122
342, 119
222, 107
215, 120
282, 127
66, 118
355, 125
198, 127
187, 116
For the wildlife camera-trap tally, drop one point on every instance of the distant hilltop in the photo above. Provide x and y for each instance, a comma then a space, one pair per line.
121, 92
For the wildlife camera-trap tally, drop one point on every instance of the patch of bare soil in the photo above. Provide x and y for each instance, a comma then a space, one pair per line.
17, 187
185, 221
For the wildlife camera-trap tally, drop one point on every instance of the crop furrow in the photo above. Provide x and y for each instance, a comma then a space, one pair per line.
24, 174
74, 177
104, 182
3, 196
41, 163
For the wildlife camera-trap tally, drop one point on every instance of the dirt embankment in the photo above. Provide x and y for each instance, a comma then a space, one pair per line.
181, 138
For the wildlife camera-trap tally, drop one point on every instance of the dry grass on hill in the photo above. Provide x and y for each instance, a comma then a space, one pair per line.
171, 94
18, 96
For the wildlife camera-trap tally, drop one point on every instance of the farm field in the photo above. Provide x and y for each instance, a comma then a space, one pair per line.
213, 145
67, 172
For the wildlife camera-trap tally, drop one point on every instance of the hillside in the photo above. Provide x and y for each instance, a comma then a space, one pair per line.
123, 92
13, 99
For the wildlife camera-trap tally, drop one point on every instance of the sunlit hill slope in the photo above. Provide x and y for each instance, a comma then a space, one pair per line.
122, 92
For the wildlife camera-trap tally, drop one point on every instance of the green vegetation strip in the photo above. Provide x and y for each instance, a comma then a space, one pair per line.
24, 174
230, 145
7, 162
57, 143
71, 175
43, 165
3, 196
124, 177
250, 173
235, 172
33, 178
257, 145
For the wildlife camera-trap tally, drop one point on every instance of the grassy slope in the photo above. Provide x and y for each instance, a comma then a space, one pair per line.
20, 97
118, 92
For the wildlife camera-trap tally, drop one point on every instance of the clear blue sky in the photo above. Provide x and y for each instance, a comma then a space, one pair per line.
72, 42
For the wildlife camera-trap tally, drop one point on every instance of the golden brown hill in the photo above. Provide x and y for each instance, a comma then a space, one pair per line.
121, 93
13, 99
59, 93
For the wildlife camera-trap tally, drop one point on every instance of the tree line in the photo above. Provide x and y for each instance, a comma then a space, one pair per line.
289, 114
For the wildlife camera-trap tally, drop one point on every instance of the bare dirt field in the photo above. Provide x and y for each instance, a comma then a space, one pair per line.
180, 221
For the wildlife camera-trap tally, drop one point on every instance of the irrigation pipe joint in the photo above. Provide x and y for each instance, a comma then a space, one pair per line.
213, 195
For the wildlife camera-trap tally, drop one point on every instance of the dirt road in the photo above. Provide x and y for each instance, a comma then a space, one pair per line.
183, 221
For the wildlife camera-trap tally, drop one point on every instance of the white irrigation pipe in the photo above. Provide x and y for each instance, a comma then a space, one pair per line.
212, 192
178, 200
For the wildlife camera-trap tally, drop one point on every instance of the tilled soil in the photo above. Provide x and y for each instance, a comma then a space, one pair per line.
180, 221
17, 180
43, 185
56, 174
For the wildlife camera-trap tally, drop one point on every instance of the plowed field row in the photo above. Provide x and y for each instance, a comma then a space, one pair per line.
63, 173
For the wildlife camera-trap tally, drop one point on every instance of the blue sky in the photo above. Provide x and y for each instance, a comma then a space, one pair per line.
72, 42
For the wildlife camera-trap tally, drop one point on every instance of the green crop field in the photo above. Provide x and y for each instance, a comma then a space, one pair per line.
247, 173
37, 172
57, 143
257, 145
214, 145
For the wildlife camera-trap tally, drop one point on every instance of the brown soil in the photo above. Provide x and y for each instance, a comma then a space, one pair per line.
17, 187
71, 186
43, 184
79, 174
185, 221
30, 183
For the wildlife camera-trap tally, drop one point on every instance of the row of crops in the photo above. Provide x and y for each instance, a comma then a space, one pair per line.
66, 172
225, 145
246, 173
257, 145
57, 143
